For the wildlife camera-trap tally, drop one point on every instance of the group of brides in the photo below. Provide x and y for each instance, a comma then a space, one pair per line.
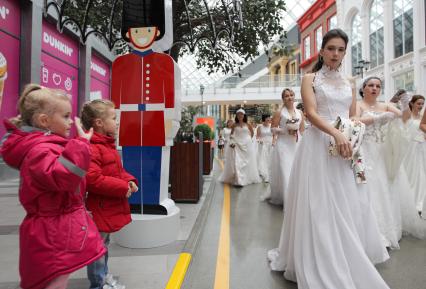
335, 227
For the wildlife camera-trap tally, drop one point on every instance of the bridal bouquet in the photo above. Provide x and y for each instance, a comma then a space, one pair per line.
292, 124
354, 132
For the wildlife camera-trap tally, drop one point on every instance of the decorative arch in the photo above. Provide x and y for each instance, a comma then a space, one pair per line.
350, 17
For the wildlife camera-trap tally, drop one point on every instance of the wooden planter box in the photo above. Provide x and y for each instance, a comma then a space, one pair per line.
186, 172
208, 155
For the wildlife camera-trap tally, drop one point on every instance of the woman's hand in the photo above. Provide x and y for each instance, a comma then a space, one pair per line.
344, 147
80, 130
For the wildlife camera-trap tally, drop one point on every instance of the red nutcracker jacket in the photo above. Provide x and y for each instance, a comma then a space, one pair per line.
142, 88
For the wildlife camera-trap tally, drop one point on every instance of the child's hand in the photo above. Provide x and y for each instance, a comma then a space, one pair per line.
129, 192
133, 187
80, 131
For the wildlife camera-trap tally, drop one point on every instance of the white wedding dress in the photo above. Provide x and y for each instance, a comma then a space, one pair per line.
226, 133
385, 199
329, 237
282, 158
264, 149
240, 166
415, 164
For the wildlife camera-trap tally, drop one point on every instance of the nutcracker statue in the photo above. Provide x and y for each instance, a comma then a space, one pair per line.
146, 91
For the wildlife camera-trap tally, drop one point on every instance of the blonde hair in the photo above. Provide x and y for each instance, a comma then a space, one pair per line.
36, 99
94, 109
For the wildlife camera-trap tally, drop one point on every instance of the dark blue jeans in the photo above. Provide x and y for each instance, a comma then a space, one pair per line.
97, 271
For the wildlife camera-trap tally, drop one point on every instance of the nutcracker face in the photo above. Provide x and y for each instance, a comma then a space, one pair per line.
142, 37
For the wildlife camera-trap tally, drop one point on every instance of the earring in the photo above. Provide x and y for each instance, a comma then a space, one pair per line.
321, 59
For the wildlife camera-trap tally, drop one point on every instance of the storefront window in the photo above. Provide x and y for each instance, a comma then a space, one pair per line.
403, 26
356, 46
405, 81
318, 38
376, 34
306, 47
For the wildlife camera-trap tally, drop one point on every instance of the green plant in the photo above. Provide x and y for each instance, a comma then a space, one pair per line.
207, 132
185, 132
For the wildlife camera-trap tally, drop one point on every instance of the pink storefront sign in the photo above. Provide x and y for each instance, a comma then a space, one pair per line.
59, 69
99, 79
99, 89
9, 83
59, 75
10, 16
59, 45
10, 30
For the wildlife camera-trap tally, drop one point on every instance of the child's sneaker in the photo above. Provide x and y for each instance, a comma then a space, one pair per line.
112, 283
110, 280
116, 286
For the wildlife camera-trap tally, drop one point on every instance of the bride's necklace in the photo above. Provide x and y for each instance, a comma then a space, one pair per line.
372, 107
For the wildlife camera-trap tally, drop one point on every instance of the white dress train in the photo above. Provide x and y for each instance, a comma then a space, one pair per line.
264, 149
329, 235
415, 164
385, 199
240, 166
282, 158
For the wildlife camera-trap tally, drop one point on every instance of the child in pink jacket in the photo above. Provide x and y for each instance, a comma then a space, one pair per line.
57, 237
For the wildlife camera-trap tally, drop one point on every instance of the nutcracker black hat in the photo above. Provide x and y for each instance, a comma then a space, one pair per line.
142, 13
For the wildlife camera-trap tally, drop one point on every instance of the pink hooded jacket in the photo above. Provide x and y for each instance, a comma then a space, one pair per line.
57, 236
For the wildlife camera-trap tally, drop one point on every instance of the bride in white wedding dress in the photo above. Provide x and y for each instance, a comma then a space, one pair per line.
240, 166
385, 200
287, 125
264, 147
415, 161
330, 235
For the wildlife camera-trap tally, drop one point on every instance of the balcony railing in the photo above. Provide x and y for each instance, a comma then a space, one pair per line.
265, 81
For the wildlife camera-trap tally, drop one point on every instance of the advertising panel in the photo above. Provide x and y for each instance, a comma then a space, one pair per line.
100, 74
10, 16
59, 67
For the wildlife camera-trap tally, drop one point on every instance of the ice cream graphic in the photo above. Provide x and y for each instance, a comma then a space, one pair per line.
3, 75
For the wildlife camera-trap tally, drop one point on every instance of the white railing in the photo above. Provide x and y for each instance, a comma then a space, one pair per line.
265, 81
238, 90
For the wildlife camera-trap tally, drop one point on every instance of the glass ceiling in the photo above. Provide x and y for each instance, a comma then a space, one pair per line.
192, 77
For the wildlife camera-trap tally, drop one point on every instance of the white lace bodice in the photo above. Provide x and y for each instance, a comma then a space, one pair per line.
374, 132
265, 133
241, 134
333, 93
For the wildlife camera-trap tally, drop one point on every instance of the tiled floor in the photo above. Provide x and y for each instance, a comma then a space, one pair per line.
136, 268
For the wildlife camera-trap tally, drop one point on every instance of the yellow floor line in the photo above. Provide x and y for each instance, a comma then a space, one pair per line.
179, 272
222, 264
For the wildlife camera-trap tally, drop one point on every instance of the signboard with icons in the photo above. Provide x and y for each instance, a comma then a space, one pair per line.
59, 62
10, 30
100, 75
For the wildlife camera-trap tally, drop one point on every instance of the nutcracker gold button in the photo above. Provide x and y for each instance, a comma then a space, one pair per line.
148, 72
147, 91
148, 65
147, 79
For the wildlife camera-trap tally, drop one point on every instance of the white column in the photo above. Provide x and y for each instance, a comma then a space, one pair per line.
419, 42
388, 48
